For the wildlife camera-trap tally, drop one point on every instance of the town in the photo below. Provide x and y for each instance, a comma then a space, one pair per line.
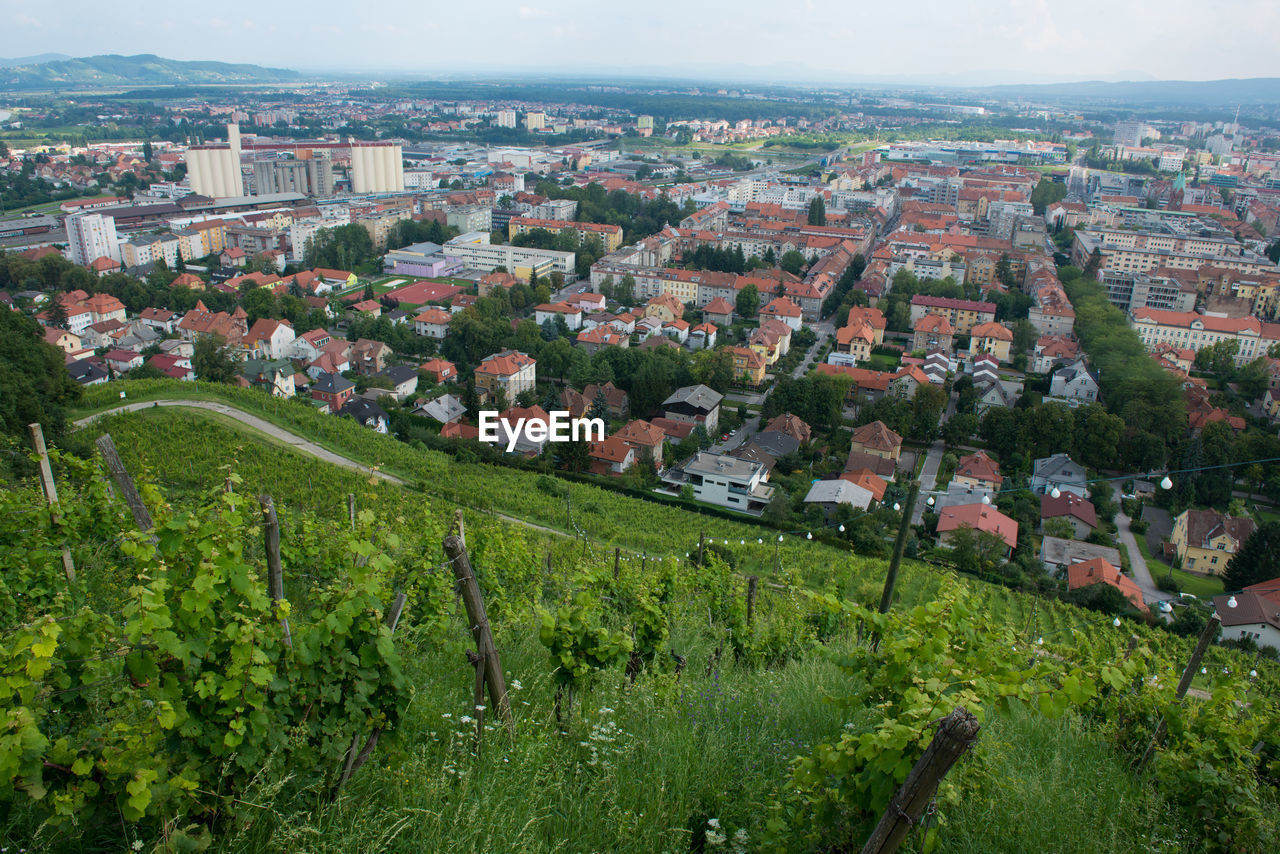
1022, 341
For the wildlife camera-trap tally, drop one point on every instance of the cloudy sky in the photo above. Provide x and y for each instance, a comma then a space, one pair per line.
940, 41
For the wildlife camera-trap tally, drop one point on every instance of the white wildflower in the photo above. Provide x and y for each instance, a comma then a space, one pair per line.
713, 822
466, 719
515, 684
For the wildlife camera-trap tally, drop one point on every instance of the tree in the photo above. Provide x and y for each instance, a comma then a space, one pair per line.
1045, 193
147, 151
33, 376
626, 292
817, 211
748, 301
1257, 560
1060, 527
1092, 266
792, 261
57, 314
1101, 597
600, 406
212, 361
1004, 272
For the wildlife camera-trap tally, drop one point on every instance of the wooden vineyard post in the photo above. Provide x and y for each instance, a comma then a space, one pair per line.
124, 482
702, 537
488, 660
351, 509
957, 732
617, 557
752, 581
891, 578
51, 494
275, 571
1184, 684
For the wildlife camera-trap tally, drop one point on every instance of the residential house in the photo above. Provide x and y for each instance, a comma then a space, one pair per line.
932, 332
159, 319
1074, 384
962, 314
371, 307
981, 518
122, 361
878, 440
702, 337
645, 439
748, 365
1099, 571
404, 380
175, 367
88, 372
369, 357
333, 389
726, 481
509, 372
665, 307
1054, 350
514, 423
432, 323
445, 409
1058, 471
790, 425
569, 313
441, 370
978, 470
831, 494
617, 402
1057, 553
269, 339
677, 330
1205, 540
719, 311
309, 345
274, 376
612, 456
367, 413
1254, 617
784, 309
68, 342
695, 404
994, 393
1077, 511
601, 337
994, 338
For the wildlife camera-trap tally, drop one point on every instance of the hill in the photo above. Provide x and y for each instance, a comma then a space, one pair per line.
714, 745
32, 60
1187, 93
143, 69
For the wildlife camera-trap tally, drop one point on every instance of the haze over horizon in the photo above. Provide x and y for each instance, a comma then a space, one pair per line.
815, 41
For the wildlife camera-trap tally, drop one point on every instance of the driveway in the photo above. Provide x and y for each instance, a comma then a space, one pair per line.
928, 477
1137, 563
824, 330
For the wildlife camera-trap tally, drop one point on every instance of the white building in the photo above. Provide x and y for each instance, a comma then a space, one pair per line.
377, 167
92, 236
738, 484
475, 252
505, 119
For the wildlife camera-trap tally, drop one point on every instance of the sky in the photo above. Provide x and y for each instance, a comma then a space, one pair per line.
958, 42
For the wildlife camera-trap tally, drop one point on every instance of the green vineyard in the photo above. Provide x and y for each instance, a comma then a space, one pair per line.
165, 698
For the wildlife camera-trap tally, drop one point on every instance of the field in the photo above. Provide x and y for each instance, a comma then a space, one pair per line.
648, 765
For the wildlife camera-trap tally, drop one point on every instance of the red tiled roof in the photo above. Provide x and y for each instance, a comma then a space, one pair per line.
1099, 571
980, 517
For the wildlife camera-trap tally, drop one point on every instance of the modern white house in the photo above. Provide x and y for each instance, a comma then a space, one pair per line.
738, 484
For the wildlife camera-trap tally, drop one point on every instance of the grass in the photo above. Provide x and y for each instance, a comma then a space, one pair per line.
1201, 586
883, 362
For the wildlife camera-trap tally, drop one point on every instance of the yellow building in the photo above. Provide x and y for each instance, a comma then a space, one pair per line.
994, 338
1205, 540
748, 364
610, 235
215, 235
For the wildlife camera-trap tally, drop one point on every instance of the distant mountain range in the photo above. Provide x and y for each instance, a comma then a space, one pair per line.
32, 60
1217, 93
111, 70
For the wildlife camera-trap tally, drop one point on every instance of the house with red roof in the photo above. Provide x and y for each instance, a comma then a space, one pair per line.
718, 311
122, 361
784, 309
368, 306
1099, 571
613, 456
878, 440
269, 339
1079, 512
509, 372
441, 370
932, 331
645, 439
432, 323
980, 517
978, 471
176, 367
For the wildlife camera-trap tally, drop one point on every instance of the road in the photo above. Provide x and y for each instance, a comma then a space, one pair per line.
1137, 563
292, 440
928, 478
824, 329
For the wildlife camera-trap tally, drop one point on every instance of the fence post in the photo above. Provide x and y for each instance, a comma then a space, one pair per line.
456, 551
752, 581
955, 734
617, 556
1184, 684
275, 571
124, 482
702, 536
891, 579
351, 509
51, 494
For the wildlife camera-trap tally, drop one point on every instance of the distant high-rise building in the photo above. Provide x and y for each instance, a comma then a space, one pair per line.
92, 236
535, 121
313, 177
506, 118
1131, 133
644, 125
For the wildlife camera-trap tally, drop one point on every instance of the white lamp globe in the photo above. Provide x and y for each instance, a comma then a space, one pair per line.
1231, 602
1055, 492
1166, 483
1116, 622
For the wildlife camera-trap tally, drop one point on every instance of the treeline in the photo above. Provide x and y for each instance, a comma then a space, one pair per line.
1132, 385
638, 217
